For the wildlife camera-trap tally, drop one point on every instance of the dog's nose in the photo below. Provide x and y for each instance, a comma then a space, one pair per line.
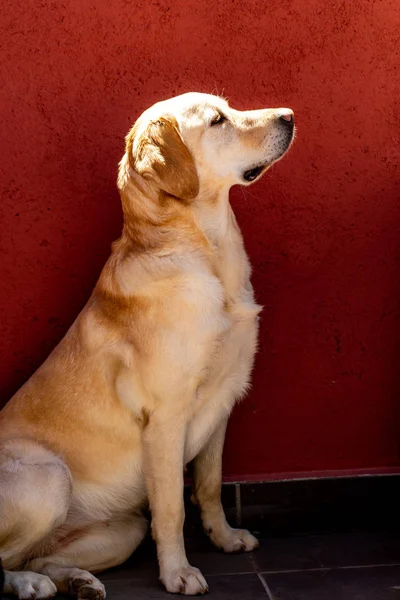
286, 116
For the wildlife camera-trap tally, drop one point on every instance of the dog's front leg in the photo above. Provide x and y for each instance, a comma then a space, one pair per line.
207, 493
164, 440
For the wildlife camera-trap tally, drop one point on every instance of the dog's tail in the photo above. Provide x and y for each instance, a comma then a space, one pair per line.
1, 578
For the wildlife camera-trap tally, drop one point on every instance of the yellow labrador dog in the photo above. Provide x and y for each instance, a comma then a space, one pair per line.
145, 379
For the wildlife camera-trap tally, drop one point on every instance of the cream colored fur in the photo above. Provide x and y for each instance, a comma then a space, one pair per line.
145, 379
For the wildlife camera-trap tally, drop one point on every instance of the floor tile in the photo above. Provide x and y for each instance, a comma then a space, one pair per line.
223, 587
214, 562
135, 588
377, 583
314, 551
243, 587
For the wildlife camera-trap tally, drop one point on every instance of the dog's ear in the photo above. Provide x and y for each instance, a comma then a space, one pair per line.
160, 155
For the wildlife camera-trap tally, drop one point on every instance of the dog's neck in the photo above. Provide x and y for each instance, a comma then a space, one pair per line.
154, 221
203, 231
213, 214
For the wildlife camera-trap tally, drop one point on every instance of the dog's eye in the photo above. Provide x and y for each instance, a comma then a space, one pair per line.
219, 118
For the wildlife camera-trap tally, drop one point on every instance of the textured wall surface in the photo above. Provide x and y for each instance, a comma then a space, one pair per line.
322, 228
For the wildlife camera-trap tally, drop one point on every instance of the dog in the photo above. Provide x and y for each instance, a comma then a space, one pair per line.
145, 379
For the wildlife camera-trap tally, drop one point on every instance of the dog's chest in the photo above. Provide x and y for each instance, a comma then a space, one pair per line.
226, 376
225, 379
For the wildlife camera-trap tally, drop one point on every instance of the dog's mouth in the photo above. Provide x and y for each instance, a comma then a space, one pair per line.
252, 174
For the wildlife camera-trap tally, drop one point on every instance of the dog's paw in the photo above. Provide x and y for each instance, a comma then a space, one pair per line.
235, 540
27, 585
187, 580
87, 586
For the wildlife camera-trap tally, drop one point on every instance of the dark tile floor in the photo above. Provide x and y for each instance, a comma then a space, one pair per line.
304, 567
315, 567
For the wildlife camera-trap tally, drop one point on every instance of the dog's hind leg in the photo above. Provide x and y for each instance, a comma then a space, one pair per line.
95, 548
35, 492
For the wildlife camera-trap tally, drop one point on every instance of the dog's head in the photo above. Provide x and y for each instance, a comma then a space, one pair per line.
196, 142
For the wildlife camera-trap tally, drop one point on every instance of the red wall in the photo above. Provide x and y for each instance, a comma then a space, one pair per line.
322, 228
